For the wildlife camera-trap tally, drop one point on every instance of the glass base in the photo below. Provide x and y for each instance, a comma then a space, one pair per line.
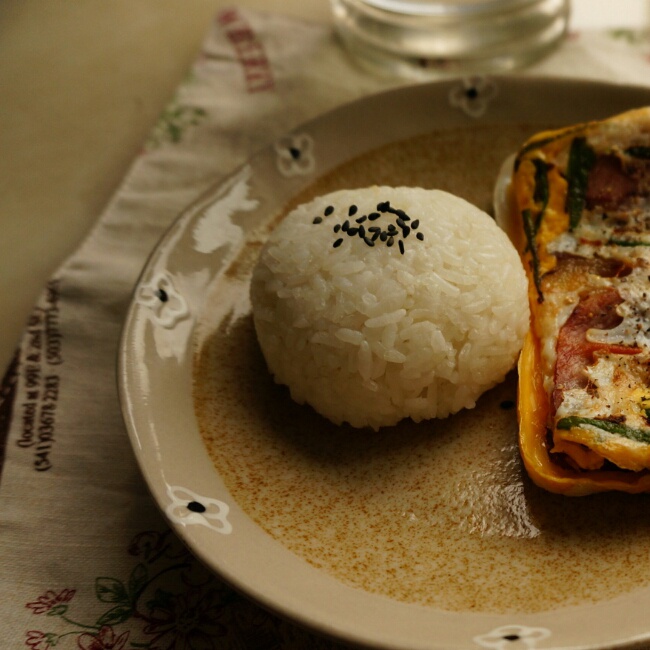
436, 39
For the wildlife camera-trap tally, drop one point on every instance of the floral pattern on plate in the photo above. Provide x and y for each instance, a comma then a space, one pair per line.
295, 155
513, 637
160, 295
473, 95
188, 508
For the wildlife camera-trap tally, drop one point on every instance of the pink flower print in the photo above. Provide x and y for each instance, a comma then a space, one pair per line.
151, 545
186, 621
37, 640
52, 603
105, 639
146, 544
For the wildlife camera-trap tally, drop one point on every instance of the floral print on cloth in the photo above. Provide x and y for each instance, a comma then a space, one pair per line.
168, 601
157, 596
175, 120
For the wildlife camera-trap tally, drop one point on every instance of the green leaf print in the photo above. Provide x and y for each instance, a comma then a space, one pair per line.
137, 581
110, 590
116, 615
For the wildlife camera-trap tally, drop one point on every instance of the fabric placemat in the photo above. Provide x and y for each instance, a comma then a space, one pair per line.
86, 559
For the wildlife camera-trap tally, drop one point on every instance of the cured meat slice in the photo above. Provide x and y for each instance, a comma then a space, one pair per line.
582, 196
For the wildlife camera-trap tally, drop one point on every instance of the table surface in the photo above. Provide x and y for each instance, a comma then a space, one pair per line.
82, 84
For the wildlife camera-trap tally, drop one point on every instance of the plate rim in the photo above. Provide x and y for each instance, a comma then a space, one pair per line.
126, 341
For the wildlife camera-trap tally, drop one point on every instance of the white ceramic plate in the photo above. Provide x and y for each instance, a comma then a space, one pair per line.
423, 536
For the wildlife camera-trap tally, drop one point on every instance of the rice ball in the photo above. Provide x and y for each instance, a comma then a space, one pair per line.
377, 304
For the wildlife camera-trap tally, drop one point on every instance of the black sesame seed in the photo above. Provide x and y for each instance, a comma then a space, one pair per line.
361, 219
337, 227
352, 231
384, 236
162, 295
195, 506
375, 235
391, 229
415, 224
362, 232
345, 226
352, 211
420, 236
328, 210
337, 243
383, 207
374, 229
400, 243
390, 241
373, 216
318, 220
368, 241
400, 222
401, 214
406, 231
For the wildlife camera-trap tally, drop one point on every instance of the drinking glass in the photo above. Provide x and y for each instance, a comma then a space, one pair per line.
425, 38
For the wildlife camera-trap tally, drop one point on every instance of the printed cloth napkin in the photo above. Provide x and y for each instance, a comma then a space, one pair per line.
86, 559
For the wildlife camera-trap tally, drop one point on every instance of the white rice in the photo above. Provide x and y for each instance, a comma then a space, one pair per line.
368, 335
